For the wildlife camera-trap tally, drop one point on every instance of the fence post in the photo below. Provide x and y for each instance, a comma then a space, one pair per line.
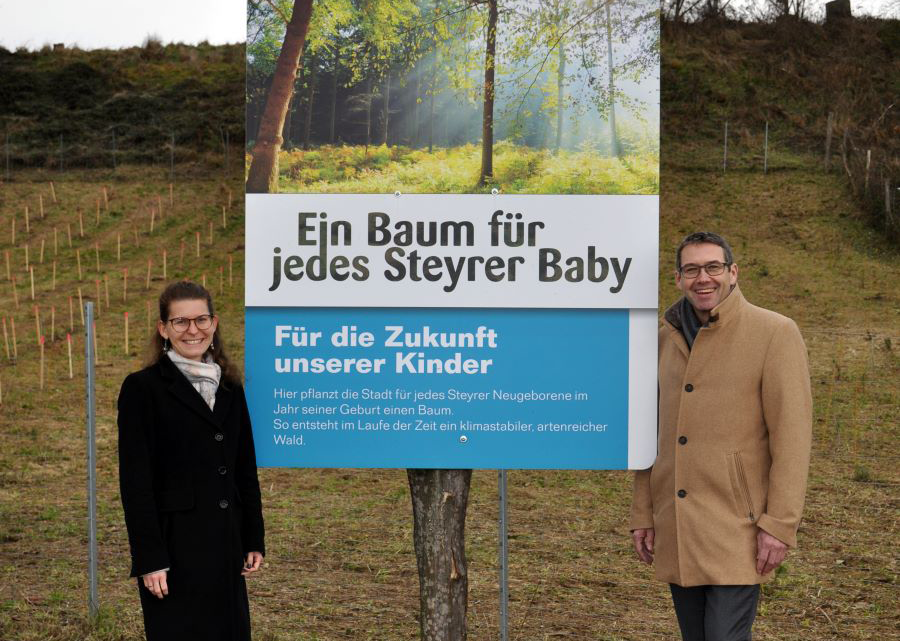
93, 601
828, 141
725, 153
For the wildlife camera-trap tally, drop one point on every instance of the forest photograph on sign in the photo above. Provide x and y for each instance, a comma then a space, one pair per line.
526, 96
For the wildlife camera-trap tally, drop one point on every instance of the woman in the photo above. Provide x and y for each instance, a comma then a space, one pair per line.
187, 471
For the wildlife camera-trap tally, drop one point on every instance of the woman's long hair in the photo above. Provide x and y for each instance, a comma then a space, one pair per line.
187, 290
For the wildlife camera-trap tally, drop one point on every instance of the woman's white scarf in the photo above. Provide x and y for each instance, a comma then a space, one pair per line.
204, 376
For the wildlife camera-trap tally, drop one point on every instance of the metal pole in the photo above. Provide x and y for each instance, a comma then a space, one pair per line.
725, 156
504, 561
93, 601
766, 151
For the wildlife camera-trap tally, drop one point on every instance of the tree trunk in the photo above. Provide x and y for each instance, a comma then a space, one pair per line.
615, 149
263, 174
289, 119
560, 90
487, 119
386, 111
439, 501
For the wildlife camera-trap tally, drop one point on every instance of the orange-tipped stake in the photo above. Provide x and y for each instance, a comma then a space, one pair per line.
118, 246
149, 267
203, 280
81, 306
230, 270
152, 218
78, 261
12, 322
52, 322
41, 257
37, 323
31, 276
198, 244
224, 220
165, 265
55, 241
125, 284
126, 332
106, 288
5, 338
69, 343
53, 192
8, 270
69, 233
53, 282
97, 255
42, 362
80, 224
71, 316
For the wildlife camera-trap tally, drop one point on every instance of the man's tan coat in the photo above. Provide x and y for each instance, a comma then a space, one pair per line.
735, 425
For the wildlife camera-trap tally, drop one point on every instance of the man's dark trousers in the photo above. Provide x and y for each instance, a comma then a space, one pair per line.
715, 612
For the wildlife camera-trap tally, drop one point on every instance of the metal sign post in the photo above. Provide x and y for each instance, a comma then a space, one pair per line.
504, 561
93, 601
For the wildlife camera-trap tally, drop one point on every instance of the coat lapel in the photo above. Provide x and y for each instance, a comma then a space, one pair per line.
182, 389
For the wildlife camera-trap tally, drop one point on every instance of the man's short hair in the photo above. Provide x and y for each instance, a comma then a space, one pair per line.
699, 237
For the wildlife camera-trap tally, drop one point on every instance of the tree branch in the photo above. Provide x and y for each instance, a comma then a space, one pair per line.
278, 11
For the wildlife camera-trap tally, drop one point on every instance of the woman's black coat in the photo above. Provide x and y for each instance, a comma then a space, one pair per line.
192, 503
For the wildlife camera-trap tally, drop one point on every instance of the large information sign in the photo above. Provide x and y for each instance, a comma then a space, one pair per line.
463, 331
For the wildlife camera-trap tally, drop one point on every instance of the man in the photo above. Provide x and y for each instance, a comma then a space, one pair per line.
722, 503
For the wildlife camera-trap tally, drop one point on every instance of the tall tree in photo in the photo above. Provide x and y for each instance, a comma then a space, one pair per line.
487, 119
263, 174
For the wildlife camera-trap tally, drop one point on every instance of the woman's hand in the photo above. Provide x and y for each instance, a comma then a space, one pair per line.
156, 583
252, 563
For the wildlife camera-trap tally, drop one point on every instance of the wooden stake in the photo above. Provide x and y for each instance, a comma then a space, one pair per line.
125, 284
203, 280
868, 165
152, 218
31, 276
106, 288
53, 283
12, 322
52, 322
171, 196
78, 261
53, 192
224, 220
105, 200
27, 221
81, 306
42, 362
27, 261
69, 233
149, 267
97, 214
80, 224
69, 343
13, 241
37, 323
126, 332
41, 257
198, 244
97, 255
165, 265
8, 270
5, 338
41, 205
230, 270
118, 246
71, 316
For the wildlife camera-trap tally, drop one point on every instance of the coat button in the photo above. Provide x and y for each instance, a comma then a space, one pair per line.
688, 388
219, 436
222, 470
682, 494
223, 504
682, 439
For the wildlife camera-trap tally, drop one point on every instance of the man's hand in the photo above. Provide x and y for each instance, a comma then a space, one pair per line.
156, 583
770, 552
251, 563
643, 543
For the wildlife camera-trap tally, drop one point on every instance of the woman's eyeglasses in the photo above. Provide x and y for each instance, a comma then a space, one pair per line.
204, 321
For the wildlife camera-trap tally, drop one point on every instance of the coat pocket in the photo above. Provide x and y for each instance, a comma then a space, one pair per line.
175, 500
739, 486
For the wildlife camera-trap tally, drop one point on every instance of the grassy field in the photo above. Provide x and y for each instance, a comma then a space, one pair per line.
517, 170
340, 564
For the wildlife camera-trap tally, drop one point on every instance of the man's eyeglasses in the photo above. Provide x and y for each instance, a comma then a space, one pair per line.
204, 321
713, 269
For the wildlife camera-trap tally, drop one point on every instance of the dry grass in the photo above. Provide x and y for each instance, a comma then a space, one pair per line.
340, 562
